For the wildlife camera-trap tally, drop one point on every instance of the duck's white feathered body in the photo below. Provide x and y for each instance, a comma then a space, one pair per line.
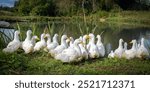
60, 47
71, 54
48, 39
100, 46
33, 39
111, 54
120, 50
13, 45
131, 53
27, 45
41, 44
93, 49
82, 46
54, 44
142, 52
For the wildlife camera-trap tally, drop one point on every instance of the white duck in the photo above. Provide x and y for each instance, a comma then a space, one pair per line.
53, 44
142, 52
89, 43
111, 54
93, 49
83, 47
71, 42
120, 50
85, 37
13, 45
47, 42
131, 53
100, 46
48, 39
60, 47
33, 39
27, 45
41, 44
71, 54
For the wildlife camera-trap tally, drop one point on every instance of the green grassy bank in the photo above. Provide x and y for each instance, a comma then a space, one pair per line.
130, 17
41, 63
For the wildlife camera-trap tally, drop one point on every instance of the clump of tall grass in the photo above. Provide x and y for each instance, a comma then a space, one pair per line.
60, 33
81, 31
86, 28
19, 29
51, 28
34, 28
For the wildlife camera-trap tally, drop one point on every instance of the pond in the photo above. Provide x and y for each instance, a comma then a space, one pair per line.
111, 33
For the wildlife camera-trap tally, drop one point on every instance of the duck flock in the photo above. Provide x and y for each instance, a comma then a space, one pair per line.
74, 50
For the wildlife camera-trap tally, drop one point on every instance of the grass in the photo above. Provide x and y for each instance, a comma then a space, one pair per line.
130, 17
41, 63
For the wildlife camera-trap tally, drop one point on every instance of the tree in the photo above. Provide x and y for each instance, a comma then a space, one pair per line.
134, 4
36, 7
74, 7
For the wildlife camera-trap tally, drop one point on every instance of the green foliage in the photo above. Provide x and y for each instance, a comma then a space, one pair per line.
12, 63
34, 28
51, 28
36, 7
74, 7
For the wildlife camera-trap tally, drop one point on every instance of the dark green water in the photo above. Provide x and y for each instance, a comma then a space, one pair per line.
110, 37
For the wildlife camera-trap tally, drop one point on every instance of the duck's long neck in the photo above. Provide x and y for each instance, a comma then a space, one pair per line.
99, 40
89, 42
42, 39
84, 40
28, 37
63, 42
55, 39
71, 43
125, 46
142, 42
93, 40
33, 39
78, 48
16, 37
48, 40
120, 45
133, 46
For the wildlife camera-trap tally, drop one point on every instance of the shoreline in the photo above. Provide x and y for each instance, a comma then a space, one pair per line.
124, 16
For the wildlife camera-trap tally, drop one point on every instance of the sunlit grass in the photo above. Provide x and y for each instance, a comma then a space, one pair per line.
20, 63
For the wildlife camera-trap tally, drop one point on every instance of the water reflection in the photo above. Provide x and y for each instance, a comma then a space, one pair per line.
6, 35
